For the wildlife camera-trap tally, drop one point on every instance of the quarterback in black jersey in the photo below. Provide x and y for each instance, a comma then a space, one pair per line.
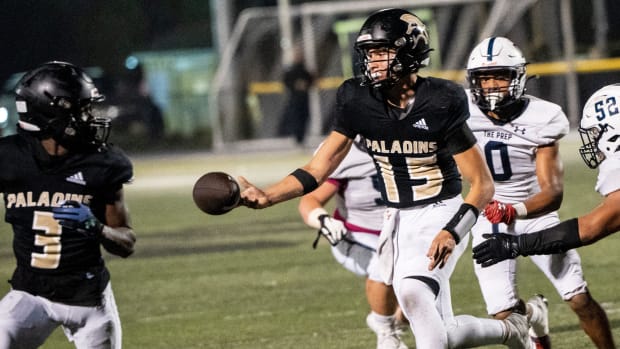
416, 132
63, 194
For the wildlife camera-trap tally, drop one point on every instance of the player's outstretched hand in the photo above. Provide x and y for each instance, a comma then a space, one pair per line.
333, 229
441, 249
496, 248
499, 212
251, 195
77, 216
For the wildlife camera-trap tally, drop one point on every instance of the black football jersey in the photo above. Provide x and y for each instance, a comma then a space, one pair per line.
33, 182
412, 151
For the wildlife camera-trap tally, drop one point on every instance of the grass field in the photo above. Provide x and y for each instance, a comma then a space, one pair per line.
250, 279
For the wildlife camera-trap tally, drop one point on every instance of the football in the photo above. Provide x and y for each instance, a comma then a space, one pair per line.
216, 193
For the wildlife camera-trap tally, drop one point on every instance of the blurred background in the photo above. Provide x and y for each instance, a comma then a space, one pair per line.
209, 74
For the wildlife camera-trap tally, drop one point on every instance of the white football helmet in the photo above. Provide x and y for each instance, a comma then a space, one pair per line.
496, 56
600, 126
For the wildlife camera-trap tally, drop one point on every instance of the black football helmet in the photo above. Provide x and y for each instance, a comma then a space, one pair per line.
55, 101
400, 31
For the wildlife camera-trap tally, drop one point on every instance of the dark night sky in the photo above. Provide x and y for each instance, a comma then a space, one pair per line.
96, 33
102, 33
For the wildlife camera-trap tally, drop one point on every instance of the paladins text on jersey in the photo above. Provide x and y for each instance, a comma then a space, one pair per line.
402, 147
26, 199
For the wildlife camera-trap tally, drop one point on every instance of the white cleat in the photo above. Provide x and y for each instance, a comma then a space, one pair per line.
388, 337
539, 321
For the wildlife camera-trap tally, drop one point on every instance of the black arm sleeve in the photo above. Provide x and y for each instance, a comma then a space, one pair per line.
557, 239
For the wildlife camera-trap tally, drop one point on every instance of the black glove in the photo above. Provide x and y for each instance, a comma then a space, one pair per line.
77, 216
498, 247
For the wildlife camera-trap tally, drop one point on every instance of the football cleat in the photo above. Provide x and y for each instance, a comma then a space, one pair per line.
539, 321
542, 342
388, 336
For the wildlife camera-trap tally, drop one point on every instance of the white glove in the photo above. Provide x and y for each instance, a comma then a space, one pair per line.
333, 229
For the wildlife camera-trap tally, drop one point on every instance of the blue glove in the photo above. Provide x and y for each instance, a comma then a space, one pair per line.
74, 215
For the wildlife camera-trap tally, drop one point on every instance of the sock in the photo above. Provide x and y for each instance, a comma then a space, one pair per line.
380, 323
382, 319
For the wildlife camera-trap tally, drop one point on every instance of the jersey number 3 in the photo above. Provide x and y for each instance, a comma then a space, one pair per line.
50, 241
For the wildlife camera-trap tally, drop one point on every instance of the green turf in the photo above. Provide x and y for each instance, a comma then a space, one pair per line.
250, 279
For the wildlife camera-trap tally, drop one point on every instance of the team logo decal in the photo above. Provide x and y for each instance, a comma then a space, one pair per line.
421, 124
519, 129
77, 178
415, 27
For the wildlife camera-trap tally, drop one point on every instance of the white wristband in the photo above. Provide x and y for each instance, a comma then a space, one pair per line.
520, 209
313, 217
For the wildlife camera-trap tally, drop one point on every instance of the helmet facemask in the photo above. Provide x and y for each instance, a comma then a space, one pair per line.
373, 56
492, 98
589, 151
84, 131
598, 141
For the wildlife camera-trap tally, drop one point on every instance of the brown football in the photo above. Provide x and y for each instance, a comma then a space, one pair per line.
216, 193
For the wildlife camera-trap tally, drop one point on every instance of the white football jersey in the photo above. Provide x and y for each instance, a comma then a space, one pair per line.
510, 149
608, 180
359, 200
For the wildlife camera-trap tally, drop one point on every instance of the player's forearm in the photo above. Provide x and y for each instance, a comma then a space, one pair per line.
119, 241
309, 209
480, 194
557, 239
546, 201
288, 188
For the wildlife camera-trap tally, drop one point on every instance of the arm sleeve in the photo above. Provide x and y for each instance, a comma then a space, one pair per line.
557, 239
